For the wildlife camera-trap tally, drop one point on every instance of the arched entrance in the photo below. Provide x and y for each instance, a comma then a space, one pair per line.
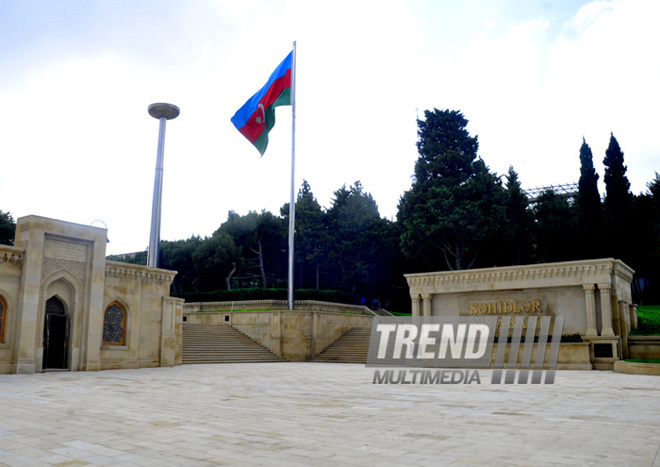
56, 335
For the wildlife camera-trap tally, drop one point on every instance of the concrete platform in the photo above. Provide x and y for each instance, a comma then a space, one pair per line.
322, 414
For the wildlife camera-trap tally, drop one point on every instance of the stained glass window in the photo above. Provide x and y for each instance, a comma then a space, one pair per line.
114, 322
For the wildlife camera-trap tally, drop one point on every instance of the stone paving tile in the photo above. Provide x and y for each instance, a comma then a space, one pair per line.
322, 414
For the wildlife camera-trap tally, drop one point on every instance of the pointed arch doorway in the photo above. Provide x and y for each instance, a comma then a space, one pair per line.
56, 335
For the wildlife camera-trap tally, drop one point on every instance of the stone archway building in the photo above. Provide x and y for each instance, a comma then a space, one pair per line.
63, 306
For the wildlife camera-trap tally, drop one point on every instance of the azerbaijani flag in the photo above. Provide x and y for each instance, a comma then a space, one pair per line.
257, 116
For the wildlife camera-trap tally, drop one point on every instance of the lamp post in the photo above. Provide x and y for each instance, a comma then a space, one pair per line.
162, 112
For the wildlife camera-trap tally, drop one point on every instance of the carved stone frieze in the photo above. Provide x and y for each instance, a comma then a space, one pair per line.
76, 268
138, 272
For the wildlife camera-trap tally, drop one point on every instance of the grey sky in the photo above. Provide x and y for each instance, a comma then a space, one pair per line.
532, 78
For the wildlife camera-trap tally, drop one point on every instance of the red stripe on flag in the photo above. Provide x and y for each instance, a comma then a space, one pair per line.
255, 125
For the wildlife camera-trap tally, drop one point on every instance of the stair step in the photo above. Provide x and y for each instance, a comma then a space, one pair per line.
208, 343
352, 347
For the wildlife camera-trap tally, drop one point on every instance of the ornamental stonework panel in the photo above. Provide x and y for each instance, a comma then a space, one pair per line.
75, 268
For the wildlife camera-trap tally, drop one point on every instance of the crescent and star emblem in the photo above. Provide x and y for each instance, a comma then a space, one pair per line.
261, 120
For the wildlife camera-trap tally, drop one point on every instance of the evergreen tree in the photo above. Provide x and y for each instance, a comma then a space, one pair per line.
261, 242
7, 228
310, 237
618, 203
519, 222
215, 260
179, 256
455, 205
589, 208
352, 261
645, 249
555, 227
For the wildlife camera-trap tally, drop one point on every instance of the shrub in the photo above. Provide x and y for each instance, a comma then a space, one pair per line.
648, 321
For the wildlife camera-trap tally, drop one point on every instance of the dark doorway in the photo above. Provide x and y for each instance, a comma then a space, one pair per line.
56, 336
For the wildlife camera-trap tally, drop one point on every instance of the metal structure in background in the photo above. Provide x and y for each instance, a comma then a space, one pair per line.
570, 190
162, 112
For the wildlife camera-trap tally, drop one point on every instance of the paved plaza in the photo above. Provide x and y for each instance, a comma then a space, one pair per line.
322, 414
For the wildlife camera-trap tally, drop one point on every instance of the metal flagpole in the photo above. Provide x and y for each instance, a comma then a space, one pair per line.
292, 202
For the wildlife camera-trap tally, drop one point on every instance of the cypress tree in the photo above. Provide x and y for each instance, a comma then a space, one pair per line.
590, 222
618, 203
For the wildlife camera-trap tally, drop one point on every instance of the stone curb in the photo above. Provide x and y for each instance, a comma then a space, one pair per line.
633, 368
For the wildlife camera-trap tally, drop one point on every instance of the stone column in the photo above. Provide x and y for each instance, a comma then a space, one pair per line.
94, 310
168, 342
624, 315
606, 309
624, 327
426, 305
591, 309
633, 316
415, 305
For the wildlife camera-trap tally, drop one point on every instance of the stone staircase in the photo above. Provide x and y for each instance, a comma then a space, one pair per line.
210, 343
351, 347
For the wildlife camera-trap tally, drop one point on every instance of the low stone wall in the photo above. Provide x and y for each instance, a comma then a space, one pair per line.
633, 368
295, 335
302, 305
643, 346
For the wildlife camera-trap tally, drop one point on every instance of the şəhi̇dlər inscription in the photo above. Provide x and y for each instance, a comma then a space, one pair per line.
505, 307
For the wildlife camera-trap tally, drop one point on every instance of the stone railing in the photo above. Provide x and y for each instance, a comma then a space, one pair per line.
301, 305
138, 272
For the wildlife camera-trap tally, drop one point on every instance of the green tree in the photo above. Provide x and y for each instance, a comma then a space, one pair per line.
618, 203
455, 205
351, 216
645, 249
261, 242
214, 261
178, 256
589, 208
349, 247
555, 227
310, 237
7, 228
519, 225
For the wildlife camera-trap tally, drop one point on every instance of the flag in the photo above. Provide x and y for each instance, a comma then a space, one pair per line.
257, 116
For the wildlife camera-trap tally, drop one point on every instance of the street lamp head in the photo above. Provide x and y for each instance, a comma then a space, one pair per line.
162, 110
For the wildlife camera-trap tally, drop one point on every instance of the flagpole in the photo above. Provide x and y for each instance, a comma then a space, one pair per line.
292, 201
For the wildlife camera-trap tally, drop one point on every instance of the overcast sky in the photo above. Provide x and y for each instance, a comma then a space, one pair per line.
532, 77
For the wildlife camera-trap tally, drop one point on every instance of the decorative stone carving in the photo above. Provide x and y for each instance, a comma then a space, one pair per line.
11, 257
138, 272
52, 266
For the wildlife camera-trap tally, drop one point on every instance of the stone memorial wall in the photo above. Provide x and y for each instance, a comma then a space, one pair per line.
593, 296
